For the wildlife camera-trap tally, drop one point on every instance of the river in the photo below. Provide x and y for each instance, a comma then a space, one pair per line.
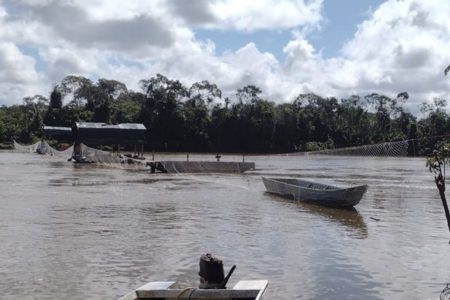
97, 232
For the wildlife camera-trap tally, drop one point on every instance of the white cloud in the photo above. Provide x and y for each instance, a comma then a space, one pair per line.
15, 67
248, 62
74, 24
63, 61
249, 15
18, 77
101, 10
193, 12
402, 46
266, 14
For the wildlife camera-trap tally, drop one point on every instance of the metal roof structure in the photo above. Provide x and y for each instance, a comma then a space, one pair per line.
105, 126
104, 134
60, 132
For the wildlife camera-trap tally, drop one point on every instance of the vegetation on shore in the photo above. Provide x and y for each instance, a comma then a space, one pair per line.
198, 118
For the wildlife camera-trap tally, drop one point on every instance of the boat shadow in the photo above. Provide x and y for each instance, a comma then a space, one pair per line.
349, 218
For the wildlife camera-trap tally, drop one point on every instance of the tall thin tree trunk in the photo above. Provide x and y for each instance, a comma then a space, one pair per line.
440, 183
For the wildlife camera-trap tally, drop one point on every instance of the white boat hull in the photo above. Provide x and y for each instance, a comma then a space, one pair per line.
244, 289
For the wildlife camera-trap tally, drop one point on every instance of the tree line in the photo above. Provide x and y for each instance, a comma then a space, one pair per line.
199, 119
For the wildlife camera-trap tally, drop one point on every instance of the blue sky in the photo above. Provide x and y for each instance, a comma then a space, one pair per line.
266, 40
285, 47
341, 19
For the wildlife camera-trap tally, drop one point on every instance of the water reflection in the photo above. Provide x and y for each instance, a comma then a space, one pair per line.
86, 180
349, 218
99, 232
57, 164
336, 274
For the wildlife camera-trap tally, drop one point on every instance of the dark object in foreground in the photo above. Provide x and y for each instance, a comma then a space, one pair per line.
315, 193
211, 272
212, 286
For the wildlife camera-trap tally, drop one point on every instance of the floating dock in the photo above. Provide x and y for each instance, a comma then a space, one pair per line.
173, 166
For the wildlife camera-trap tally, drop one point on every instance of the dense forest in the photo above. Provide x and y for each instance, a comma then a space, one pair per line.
199, 119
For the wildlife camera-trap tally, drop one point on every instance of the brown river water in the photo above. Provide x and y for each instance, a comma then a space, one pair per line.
97, 232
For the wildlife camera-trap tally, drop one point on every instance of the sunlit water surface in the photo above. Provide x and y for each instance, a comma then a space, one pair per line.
88, 232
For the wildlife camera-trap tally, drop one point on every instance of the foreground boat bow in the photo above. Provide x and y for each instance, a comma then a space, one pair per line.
162, 290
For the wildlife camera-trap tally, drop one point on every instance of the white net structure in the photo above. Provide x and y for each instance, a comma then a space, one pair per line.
93, 155
399, 148
86, 155
42, 147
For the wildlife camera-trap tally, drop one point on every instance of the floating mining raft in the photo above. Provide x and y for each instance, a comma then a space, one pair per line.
172, 166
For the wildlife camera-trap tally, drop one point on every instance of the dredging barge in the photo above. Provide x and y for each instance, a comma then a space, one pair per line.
174, 166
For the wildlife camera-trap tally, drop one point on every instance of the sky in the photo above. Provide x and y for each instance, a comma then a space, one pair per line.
285, 47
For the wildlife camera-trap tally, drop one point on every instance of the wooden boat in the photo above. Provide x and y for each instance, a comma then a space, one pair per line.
165, 290
315, 193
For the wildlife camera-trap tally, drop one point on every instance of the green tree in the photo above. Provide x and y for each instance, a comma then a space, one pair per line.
205, 92
34, 109
162, 111
286, 132
436, 164
435, 126
248, 94
316, 118
221, 129
197, 111
127, 108
12, 120
102, 97
251, 120
56, 99
53, 115
79, 88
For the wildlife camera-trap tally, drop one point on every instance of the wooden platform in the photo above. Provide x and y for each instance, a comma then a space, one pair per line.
163, 290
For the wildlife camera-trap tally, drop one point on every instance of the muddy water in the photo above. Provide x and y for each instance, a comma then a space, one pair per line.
84, 232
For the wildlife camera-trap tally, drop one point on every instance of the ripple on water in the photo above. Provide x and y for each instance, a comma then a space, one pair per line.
96, 233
